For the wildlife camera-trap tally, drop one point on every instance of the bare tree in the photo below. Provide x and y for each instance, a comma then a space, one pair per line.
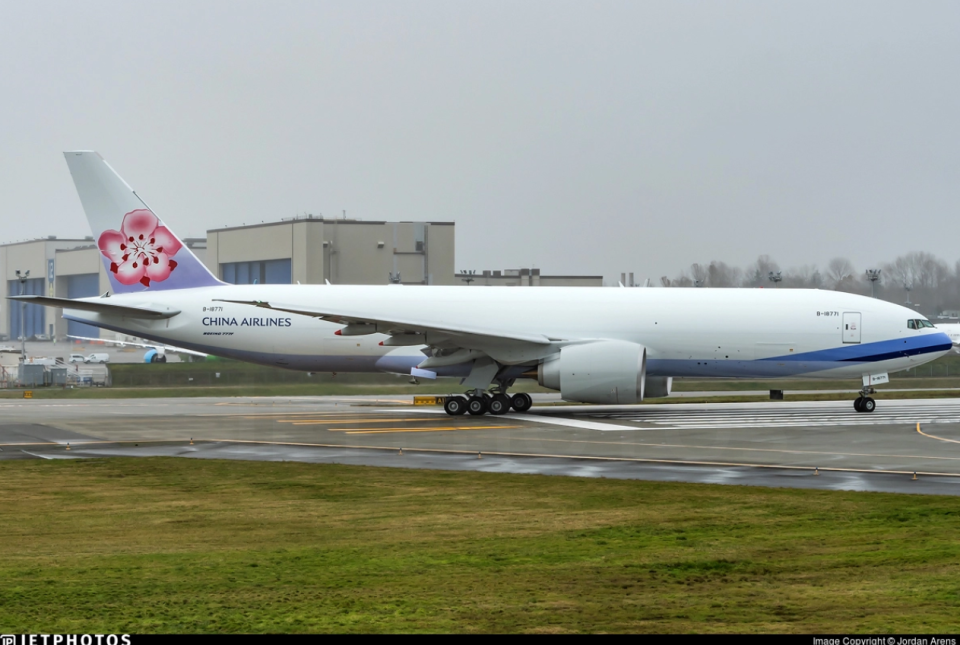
699, 274
840, 274
719, 274
934, 285
757, 274
804, 277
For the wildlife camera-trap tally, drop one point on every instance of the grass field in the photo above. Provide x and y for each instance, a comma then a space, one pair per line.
168, 545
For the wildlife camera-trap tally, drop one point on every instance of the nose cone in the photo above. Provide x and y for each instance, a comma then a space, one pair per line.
939, 343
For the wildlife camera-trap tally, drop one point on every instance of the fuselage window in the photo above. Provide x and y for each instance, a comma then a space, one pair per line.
911, 324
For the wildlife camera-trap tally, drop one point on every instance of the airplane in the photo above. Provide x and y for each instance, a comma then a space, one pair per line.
602, 346
952, 330
156, 352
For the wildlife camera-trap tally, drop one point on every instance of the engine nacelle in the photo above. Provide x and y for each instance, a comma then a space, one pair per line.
658, 387
607, 371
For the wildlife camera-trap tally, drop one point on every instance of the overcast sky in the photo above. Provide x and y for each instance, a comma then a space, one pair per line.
578, 137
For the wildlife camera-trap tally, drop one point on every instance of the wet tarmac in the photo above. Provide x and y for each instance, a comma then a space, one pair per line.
786, 444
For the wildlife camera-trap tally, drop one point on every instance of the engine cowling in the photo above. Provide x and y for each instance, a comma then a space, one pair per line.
606, 371
657, 387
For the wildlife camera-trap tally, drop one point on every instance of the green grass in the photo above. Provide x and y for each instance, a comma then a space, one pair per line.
168, 545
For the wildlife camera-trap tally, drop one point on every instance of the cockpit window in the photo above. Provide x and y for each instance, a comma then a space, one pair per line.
926, 323
911, 324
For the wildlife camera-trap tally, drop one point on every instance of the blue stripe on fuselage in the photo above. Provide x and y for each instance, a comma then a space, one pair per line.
884, 350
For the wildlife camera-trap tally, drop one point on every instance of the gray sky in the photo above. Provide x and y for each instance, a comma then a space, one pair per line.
578, 137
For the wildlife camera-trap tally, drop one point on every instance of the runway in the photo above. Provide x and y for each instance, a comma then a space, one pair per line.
795, 444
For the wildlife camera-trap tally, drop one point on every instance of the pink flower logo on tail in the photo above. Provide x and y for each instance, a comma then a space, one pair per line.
141, 250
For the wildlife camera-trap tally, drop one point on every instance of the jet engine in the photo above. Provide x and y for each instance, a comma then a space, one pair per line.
658, 387
154, 355
606, 371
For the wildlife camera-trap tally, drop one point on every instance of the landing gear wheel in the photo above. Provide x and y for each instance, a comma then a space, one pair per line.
476, 405
858, 403
868, 405
521, 402
455, 405
499, 404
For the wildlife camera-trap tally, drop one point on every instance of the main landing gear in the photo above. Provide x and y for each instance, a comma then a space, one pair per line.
864, 403
478, 403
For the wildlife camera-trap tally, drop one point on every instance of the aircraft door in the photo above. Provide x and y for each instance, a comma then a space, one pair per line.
851, 327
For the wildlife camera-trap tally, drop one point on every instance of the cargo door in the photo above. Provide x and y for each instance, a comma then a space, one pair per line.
851, 327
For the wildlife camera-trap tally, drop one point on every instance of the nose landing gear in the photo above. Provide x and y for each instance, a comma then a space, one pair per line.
863, 402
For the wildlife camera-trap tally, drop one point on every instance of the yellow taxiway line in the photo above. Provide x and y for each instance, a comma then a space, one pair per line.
315, 422
437, 429
934, 436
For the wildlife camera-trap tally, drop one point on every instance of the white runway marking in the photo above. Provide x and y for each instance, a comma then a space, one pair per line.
570, 423
718, 418
538, 418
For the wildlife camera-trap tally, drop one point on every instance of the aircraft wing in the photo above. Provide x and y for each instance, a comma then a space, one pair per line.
508, 347
165, 348
393, 325
105, 308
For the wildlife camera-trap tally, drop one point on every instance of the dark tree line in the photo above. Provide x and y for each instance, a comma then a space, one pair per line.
920, 279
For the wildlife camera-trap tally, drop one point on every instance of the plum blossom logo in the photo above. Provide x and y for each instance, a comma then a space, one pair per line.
141, 250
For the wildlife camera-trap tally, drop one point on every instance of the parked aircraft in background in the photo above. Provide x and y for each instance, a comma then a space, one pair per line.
156, 352
952, 330
594, 345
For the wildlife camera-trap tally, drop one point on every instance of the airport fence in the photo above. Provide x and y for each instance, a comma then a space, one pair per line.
948, 365
230, 374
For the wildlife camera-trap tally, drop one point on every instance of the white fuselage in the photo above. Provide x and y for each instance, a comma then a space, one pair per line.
687, 332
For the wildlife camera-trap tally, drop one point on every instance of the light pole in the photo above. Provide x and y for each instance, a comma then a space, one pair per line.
775, 278
23, 309
873, 275
908, 289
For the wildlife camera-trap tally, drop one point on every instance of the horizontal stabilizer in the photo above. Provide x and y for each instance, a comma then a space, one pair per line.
99, 307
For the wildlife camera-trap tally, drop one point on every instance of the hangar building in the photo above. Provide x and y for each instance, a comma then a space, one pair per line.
309, 250
65, 268
526, 278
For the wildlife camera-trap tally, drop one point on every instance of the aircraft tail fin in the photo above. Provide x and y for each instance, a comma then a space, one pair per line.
138, 251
